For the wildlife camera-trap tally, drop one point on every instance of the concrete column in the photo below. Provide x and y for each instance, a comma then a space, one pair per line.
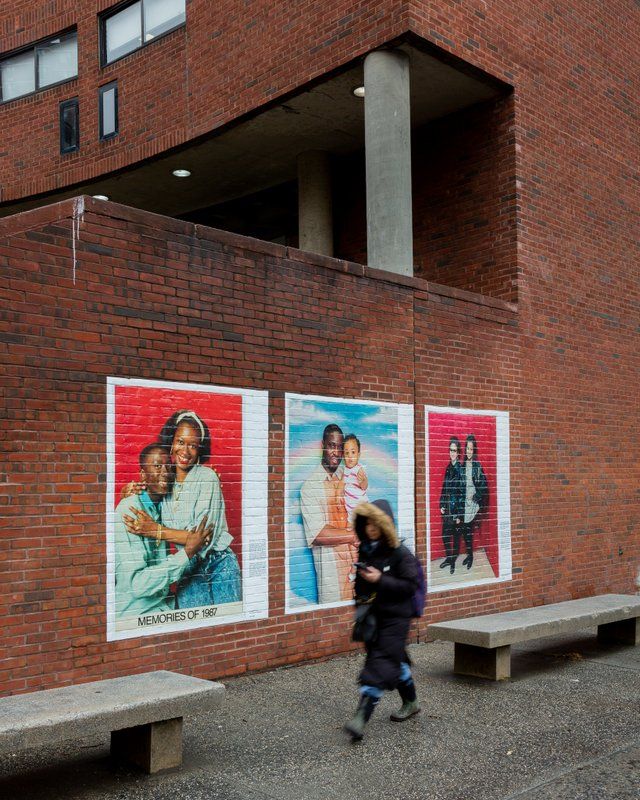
315, 213
387, 129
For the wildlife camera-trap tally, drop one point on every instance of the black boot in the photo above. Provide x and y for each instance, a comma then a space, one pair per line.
446, 562
355, 726
468, 541
407, 692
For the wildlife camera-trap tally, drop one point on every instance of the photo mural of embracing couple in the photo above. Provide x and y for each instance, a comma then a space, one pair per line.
171, 535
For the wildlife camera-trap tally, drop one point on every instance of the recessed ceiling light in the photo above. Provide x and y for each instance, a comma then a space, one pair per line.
100, 197
358, 91
181, 173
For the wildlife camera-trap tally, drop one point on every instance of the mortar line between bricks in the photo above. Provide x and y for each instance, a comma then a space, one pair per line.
563, 773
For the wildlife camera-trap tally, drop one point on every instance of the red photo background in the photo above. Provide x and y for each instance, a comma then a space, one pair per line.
441, 426
140, 413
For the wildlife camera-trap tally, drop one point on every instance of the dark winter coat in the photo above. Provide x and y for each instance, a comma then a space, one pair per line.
390, 597
480, 484
452, 494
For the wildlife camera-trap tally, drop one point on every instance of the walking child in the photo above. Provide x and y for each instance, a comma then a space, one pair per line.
387, 579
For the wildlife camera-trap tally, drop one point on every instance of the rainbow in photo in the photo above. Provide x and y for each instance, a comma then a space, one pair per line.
385, 434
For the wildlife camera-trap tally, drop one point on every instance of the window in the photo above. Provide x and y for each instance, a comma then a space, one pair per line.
69, 126
108, 110
45, 64
137, 24
123, 32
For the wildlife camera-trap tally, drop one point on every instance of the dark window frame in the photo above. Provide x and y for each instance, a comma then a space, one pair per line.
111, 12
73, 103
101, 90
33, 46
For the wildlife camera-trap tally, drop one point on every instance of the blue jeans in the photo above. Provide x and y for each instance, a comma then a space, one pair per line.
210, 582
373, 691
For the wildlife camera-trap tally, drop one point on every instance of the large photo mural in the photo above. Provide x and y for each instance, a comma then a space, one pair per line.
186, 506
468, 506
339, 453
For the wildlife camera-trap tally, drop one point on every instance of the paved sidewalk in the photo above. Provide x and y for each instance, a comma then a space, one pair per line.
565, 727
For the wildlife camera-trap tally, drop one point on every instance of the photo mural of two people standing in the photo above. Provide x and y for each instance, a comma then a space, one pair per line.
463, 501
468, 497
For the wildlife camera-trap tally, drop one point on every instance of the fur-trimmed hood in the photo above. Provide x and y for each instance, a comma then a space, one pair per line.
379, 512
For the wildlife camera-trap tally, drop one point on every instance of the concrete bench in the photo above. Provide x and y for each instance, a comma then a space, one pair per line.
483, 644
142, 712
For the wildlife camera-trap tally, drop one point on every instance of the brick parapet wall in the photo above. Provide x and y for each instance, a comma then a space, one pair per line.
159, 298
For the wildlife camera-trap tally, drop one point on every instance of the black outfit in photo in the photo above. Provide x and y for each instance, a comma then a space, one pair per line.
452, 500
480, 497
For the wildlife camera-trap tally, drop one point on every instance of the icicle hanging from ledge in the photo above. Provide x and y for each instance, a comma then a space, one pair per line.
76, 219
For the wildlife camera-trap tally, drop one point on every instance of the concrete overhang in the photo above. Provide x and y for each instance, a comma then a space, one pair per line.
260, 150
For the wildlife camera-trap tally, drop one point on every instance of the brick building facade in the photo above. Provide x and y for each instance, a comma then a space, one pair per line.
525, 297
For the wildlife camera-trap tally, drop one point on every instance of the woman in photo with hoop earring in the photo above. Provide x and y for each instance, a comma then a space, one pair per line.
213, 574
476, 494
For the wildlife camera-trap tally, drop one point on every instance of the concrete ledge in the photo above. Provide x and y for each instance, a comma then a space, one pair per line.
135, 702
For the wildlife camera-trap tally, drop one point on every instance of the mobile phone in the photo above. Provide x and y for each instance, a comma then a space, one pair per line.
360, 564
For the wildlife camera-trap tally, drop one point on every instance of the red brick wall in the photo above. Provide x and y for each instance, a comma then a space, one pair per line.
180, 86
280, 320
465, 204
464, 201
565, 365
578, 281
199, 78
274, 319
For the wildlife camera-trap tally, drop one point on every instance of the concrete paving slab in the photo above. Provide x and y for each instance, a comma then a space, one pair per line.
565, 727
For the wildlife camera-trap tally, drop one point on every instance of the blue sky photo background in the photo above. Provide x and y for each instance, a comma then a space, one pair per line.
376, 426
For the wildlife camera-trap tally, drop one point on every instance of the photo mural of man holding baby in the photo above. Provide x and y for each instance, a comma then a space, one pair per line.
326, 526
338, 454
